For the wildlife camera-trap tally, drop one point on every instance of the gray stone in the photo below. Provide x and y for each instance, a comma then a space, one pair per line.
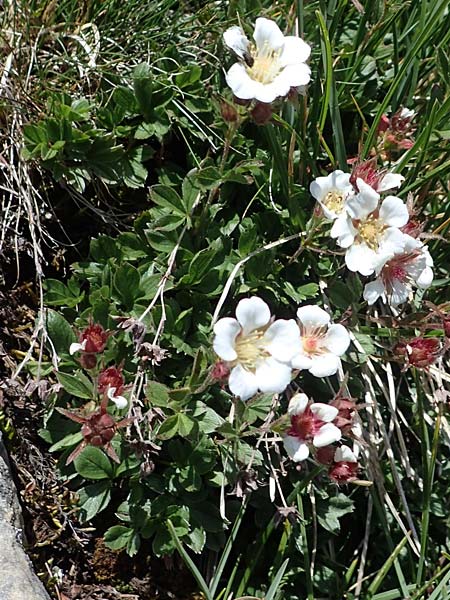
17, 578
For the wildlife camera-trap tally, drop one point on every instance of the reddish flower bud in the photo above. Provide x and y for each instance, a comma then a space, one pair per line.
419, 352
94, 339
228, 112
261, 113
383, 124
347, 410
325, 455
220, 371
88, 361
110, 378
343, 472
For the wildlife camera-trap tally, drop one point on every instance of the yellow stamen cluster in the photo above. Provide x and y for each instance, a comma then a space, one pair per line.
266, 64
334, 201
370, 231
250, 349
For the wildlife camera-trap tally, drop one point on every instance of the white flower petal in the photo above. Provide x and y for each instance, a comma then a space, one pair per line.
76, 347
297, 404
327, 434
282, 339
269, 92
344, 231
226, 331
399, 292
236, 39
360, 258
292, 76
241, 84
337, 339
242, 383
393, 241
393, 212
344, 454
313, 316
119, 401
295, 448
325, 412
389, 181
267, 34
295, 51
272, 376
301, 361
374, 290
252, 313
425, 279
364, 203
324, 365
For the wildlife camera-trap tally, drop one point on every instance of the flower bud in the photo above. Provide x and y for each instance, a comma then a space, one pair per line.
419, 352
343, 472
110, 378
228, 112
88, 361
261, 113
220, 371
93, 339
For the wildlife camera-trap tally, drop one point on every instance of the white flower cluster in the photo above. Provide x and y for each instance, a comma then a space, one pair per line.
261, 352
370, 230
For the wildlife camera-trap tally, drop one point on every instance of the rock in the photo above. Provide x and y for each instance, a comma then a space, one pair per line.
17, 580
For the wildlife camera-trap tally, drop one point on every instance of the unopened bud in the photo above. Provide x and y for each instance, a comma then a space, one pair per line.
261, 113
228, 112
419, 352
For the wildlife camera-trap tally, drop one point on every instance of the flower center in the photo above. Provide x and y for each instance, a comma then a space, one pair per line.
305, 425
266, 65
370, 231
250, 349
310, 345
334, 201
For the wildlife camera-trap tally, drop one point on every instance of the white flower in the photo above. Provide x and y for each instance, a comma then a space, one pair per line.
270, 67
397, 273
370, 232
322, 342
331, 192
257, 350
119, 401
310, 423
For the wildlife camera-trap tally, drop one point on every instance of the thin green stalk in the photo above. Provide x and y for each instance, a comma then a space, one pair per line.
331, 98
305, 549
428, 468
386, 568
413, 51
268, 530
279, 158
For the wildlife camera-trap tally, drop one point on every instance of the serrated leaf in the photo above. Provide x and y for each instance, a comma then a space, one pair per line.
157, 393
167, 197
117, 537
126, 282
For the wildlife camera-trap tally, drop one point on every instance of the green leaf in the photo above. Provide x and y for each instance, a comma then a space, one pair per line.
167, 197
126, 283
331, 510
77, 385
157, 394
186, 425
69, 440
58, 294
196, 539
143, 89
93, 463
118, 537
59, 331
93, 499
169, 428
